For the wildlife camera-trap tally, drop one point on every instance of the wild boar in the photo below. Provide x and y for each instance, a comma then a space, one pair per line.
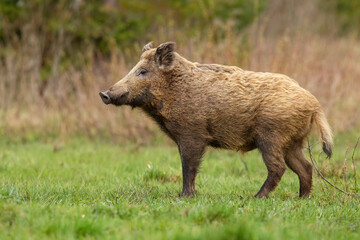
199, 105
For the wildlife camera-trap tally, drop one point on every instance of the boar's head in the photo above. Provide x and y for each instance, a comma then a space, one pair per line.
135, 89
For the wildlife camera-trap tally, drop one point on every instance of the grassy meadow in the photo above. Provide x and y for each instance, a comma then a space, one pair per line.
96, 189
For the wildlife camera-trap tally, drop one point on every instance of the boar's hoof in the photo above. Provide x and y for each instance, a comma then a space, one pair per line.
261, 196
187, 194
305, 196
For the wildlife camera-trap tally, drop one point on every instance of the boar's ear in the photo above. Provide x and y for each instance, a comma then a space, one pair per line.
164, 56
147, 47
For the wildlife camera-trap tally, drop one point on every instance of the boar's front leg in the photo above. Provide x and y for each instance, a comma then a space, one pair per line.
191, 151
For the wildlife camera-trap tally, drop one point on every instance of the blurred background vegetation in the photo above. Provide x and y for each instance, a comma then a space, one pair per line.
97, 27
56, 55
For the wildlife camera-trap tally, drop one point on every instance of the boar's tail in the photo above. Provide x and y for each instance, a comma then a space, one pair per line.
325, 132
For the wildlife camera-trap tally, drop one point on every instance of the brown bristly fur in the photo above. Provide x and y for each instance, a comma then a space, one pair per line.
199, 105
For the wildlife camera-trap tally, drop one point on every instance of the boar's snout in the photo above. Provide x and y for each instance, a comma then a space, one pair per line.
105, 97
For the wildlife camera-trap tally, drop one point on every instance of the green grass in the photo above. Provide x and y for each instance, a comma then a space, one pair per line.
97, 189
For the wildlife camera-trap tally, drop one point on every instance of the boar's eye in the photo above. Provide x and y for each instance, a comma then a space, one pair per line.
141, 72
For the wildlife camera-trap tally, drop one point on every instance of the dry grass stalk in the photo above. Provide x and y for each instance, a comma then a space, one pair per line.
345, 170
319, 173
353, 163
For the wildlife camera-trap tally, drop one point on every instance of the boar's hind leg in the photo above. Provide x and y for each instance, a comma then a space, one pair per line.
191, 152
297, 162
274, 162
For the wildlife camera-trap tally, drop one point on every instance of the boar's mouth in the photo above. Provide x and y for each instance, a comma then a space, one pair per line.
117, 100
120, 99
141, 100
